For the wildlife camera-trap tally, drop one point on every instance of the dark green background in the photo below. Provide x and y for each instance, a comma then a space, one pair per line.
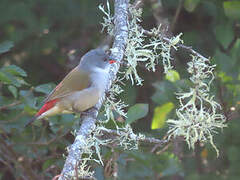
46, 38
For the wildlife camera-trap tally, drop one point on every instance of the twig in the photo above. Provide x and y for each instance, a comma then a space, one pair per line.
163, 149
115, 165
89, 118
111, 166
160, 16
115, 134
175, 18
57, 137
165, 39
7, 152
10, 105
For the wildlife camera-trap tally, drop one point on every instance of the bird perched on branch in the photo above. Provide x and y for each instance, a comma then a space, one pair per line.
81, 89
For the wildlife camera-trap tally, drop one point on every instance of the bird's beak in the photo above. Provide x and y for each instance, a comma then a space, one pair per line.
112, 61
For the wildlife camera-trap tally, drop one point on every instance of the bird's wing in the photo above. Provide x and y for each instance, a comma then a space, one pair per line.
75, 81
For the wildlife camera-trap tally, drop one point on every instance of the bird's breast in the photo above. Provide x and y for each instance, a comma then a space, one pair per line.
99, 79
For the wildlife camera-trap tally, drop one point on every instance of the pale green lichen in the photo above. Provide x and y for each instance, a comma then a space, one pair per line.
107, 19
142, 49
197, 117
112, 103
92, 146
127, 139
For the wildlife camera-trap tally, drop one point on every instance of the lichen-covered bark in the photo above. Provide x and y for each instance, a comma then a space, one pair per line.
89, 119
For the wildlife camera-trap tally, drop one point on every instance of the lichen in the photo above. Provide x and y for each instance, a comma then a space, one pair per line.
107, 19
197, 116
144, 49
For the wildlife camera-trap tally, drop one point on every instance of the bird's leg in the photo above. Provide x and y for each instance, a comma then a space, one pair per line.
89, 111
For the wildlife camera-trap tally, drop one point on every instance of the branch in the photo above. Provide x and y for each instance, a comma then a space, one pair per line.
114, 134
10, 105
89, 118
187, 48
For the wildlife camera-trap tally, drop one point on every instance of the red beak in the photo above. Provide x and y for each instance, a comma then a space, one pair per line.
112, 61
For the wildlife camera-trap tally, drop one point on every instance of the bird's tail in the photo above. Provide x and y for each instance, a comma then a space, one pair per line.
48, 105
31, 121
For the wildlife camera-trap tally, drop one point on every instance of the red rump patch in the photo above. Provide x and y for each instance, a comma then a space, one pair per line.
48, 105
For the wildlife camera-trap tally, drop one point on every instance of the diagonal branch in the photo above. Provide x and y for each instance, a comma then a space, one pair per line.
89, 119
179, 45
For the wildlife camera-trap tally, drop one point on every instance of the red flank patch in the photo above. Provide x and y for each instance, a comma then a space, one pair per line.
48, 105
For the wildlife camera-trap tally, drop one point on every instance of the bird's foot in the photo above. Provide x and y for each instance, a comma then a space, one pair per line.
89, 111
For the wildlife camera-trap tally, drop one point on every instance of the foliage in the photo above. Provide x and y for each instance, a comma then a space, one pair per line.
42, 40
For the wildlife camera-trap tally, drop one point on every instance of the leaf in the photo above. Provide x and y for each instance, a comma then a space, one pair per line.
172, 76
22, 81
13, 90
232, 9
224, 34
44, 88
15, 70
225, 63
160, 115
165, 92
190, 5
136, 112
28, 98
29, 110
4, 78
235, 51
48, 163
224, 78
8, 78
173, 167
5, 46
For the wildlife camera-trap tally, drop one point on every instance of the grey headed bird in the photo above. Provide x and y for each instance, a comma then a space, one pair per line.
81, 89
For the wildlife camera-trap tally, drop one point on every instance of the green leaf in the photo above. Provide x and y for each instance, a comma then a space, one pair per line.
160, 115
235, 51
136, 112
172, 76
28, 99
173, 167
15, 70
190, 5
13, 90
48, 163
22, 81
14, 80
45, 88
225, 63
224, 78
224, 34
232, 9
4, 78
165, 92
5, 46
8, 78
29, 110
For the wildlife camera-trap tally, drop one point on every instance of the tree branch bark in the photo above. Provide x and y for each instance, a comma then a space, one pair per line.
89, 119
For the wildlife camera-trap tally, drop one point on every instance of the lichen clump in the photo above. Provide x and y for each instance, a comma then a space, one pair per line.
197, 116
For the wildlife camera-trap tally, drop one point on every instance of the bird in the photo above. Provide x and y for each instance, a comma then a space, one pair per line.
82, 87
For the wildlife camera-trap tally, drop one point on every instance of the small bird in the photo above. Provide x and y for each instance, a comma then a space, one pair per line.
81, 89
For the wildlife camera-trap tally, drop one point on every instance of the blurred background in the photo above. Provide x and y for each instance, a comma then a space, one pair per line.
42, 40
